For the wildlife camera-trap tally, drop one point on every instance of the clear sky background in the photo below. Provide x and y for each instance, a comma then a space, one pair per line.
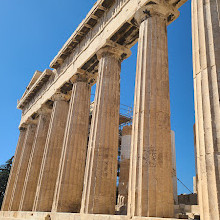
31, 34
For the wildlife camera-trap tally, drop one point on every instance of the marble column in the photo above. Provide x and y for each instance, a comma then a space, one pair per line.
99, 193
14, 169
150, 182
195, 178
30, 183
68, 193
52, 153
22, 167
124, 166
175, 194
206, 68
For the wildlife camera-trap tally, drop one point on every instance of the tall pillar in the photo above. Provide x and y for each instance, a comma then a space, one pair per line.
175, 195
22, 167
150, 181
14, 169
52, 153
69, 186
195, 178
124, 166
30, 183
99, 193
206, 68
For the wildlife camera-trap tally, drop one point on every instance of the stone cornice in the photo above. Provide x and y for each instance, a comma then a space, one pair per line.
35, 77
85, 26
117, 25
31, 90
95, 14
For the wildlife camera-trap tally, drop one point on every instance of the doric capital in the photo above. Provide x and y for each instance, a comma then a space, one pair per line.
165, 10
59, 96
80, 76
30, 121
114, 49
23, 127
44, 110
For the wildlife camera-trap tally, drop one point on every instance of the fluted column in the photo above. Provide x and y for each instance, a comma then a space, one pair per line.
22, 167
99, 193
68, 193
14, 169
30, 183
52, 153
150, 181
175, 194
206, 68
124, 166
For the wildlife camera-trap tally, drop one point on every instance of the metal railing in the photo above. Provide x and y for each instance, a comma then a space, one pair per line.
125, 110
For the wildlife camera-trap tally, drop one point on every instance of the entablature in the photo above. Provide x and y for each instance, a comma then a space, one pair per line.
85, 26
99, 10
117, 24
37, 82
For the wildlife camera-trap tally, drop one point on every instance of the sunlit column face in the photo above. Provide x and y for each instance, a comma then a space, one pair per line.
52, 154
99, 193
69, 186
150, 183
206, 57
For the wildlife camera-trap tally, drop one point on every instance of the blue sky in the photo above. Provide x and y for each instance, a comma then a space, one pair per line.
31, 34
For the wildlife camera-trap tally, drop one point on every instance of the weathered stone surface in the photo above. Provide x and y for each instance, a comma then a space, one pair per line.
124, 169
118, 16
99, 193
52, 153
67, 216
190, 210
150, 192
175, 195
69, 187
206, 68
14, 169
188, 199
22, 167
150, 183
30, 183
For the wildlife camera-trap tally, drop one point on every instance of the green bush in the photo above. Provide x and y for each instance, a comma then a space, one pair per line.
4, 174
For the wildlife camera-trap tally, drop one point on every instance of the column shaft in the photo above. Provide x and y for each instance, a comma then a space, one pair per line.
68, 193
202, 183
30, 183
124, 166
206, 58
51, 158
150, 182
14, 169
175, 195
99, 193
22, 168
